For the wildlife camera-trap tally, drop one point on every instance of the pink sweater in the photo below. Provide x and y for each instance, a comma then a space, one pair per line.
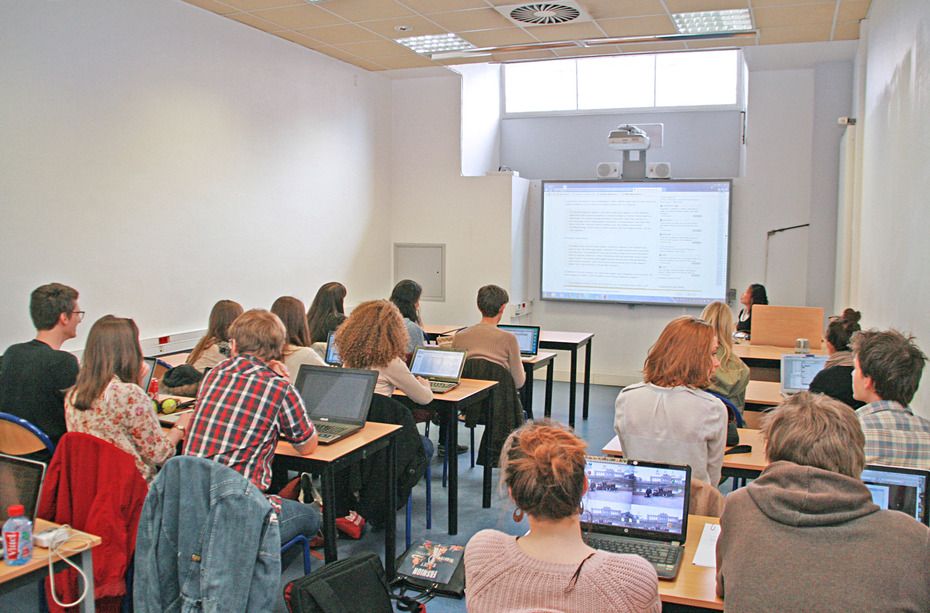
500, 577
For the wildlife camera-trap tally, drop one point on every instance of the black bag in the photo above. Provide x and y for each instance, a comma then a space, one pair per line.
347, 586
732, 432
414, 557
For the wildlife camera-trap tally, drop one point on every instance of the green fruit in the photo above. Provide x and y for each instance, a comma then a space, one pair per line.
168, 406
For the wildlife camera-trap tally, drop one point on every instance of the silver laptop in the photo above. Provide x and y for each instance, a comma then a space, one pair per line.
332, 352
151, 363
899, 489
441, 366
20, 483
798, 370
527, 338
640, 508
337, 399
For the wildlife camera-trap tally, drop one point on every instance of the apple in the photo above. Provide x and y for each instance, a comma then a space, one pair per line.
168, 406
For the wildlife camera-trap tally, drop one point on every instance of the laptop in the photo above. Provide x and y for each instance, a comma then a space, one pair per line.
798, 370
638, 507
899, 489
441, 366
151, 363
20, 483
332, 352
527, 338
337, 399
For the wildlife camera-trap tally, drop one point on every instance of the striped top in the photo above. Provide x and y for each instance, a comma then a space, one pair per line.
894, 435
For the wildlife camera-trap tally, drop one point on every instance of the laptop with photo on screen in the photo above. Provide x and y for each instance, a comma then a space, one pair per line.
798, 370
337, 399
441, 366
332, 352
527, 338
899, 489
638, 507
20, 483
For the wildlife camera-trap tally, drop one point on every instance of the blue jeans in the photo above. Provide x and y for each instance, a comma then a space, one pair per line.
297, 518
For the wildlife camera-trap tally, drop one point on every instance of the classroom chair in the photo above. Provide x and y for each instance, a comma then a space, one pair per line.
20, 437
428, 447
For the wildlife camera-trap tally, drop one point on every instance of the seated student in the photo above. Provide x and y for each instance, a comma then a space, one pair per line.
550, 568
297, 349
245, 405
406, 297
754, 294
732, 376
34, 376
374, 337
806, 536
669, 417
835, 380
107, 402
486, 341
886, 373
213, 348
329, 300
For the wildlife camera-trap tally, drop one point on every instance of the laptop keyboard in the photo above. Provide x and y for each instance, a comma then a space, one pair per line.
661, 555
329, 429
442, 386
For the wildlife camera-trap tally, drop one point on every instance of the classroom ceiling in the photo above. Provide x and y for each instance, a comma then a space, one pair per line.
363, 32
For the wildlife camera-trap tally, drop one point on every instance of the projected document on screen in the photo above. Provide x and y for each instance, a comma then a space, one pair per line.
659, 242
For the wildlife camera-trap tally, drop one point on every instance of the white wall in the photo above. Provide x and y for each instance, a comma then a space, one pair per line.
894, 252
158, 157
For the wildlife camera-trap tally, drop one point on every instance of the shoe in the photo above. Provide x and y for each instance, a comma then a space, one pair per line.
459, 450
308, 493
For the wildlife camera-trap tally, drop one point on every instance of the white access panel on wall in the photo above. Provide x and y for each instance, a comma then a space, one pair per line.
424, 263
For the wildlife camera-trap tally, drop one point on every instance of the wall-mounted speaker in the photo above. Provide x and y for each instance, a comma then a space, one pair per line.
608, 170
659, 170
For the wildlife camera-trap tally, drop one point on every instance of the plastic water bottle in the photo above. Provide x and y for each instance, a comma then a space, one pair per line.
17, 537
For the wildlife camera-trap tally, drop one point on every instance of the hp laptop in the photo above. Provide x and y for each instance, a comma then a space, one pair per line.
899, 489
20, 483
441, 366
527, 337
332, 352
798, 370
337, 399
640, 508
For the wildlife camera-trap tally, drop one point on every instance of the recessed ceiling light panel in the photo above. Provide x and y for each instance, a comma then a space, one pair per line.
436, 43
705, 22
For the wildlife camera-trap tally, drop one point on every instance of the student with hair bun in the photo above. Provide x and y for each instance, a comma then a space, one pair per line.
835, 380
550, 568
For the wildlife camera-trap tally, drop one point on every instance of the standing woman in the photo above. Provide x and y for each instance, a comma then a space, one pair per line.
406, 297
213, 348
669, 417
754, 294
328, 300
550, 568
732, 376
835, 380
374, 337
107, 402
297, 349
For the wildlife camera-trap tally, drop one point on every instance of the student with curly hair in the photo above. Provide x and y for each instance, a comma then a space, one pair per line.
297, 349
550, 568
214, 347
835, 380
374, 337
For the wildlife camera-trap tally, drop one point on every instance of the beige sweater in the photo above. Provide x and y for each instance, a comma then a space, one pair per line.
488, 342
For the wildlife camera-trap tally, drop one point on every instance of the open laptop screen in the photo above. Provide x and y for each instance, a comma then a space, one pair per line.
20, 483
332, 352
527, 337
899, 489
798, 370
341, 394
437, 362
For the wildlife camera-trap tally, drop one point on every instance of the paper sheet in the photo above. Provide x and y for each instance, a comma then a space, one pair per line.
706, 554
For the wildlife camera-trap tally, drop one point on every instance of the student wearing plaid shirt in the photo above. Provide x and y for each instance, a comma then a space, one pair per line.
887, 371
245, 403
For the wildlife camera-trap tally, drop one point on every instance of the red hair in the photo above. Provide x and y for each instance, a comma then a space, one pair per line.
682, 355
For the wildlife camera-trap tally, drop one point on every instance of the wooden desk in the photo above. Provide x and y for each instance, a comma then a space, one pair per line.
765, 393
695, 586
734, 464
543, 358
14, 577
448, 405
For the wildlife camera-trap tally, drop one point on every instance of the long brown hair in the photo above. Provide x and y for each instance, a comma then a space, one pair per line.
372, 336
112, 349
221, 317
328, 300
291, 312
682, 355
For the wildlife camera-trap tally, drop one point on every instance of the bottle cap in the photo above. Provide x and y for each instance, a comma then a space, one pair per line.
16, 510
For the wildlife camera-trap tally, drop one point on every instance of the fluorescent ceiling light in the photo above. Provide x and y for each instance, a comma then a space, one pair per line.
736, 20
436, 43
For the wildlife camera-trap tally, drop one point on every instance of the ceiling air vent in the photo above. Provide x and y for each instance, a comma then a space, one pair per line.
544, 13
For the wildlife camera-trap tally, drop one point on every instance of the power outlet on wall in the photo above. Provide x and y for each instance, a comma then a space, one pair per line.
522, 308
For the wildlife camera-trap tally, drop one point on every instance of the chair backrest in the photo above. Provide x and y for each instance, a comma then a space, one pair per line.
705, 499
19, 437
505, 401
731, 408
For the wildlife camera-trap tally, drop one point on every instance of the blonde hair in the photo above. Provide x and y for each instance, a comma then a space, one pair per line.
372, 336
718, 315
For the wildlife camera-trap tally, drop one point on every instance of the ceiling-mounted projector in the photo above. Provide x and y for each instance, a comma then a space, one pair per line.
628, 138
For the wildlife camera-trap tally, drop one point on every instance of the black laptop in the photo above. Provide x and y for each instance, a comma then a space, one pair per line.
527, 338
20, 483
640, 508
899, 489
337, 399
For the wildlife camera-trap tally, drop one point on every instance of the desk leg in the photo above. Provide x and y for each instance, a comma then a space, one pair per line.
573, 380
550, 372
488, 462
390, 528
87, 565
526, 394
452, 443
328, 484
587, 379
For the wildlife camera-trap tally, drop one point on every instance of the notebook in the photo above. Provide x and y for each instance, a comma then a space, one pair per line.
441, 366
332, 352
527, 338
798, 370
151, 363
20, 483
899, 489
638, 507
337, 399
